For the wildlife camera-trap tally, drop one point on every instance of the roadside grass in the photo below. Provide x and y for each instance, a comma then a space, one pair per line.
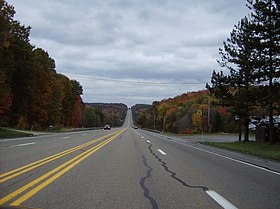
12, 134
265, 149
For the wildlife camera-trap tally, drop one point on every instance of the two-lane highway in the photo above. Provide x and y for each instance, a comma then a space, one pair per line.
128, 168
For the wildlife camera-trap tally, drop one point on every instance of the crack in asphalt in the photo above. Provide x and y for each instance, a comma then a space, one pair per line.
173, 174
145, 189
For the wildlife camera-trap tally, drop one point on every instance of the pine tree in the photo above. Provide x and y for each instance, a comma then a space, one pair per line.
266, 22
238, 55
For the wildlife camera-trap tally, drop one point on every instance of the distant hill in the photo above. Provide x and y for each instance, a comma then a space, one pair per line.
186, 113
99, 114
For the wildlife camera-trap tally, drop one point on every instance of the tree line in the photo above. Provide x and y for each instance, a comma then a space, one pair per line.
99, 114
251, 57
32, 93
185, 114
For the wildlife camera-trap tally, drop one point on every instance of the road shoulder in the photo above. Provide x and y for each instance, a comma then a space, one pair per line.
268, 164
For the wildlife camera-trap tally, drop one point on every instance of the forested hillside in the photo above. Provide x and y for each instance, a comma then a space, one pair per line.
99, 114
32, 94
187, 113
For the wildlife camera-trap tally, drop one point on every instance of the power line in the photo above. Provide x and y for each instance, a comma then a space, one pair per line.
132, 82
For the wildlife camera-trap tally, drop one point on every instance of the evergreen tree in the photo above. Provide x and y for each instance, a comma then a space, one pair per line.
266, 22
235, 90
239, 55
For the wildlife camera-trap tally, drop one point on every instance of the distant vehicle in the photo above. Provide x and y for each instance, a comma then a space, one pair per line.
107, 127
133, 126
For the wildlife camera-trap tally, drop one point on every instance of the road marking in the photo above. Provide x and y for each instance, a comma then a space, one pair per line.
142, 137
83, 134
229, 158
60, 169
16, 139
66, 137
16, 172
161, 152
148, 142
220, 200
235, 160
26, 144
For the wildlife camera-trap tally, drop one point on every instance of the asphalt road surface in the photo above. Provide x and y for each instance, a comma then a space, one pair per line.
131, 168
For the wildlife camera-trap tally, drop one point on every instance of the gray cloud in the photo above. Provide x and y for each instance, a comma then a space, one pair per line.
158, 41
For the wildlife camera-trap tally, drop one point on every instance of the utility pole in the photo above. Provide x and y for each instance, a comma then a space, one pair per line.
163, 125
154, 121
208, 117
209, 107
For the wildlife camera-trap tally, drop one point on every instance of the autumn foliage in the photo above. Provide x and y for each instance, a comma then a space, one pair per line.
32, 93
187, 113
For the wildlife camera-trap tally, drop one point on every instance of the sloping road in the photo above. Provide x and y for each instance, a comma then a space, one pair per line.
128, 168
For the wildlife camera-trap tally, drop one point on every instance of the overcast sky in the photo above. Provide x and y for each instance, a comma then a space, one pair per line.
132, 51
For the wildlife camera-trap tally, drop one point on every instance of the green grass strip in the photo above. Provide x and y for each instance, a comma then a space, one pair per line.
265, 149
11, 134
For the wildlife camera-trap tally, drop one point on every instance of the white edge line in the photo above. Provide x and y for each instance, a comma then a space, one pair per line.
161, 152
220, 200
229, 158
26, 144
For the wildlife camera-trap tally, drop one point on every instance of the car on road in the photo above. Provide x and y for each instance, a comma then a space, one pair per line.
107, 127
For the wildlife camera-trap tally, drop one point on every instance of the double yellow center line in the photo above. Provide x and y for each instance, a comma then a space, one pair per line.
53, 174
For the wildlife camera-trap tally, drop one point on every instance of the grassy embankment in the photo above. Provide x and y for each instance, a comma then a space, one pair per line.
12, 134
264, 149
15, 133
